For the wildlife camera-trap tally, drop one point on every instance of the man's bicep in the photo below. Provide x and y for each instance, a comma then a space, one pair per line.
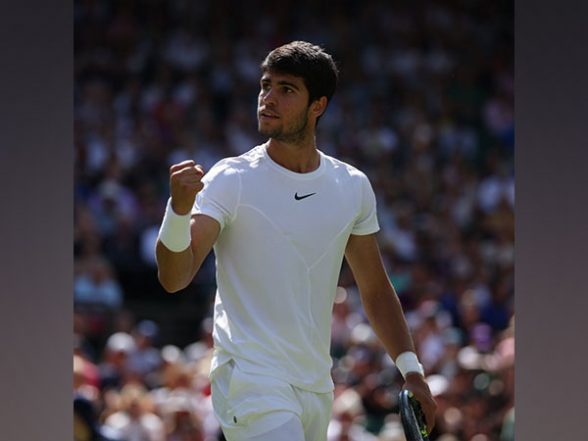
363, 256
204, 231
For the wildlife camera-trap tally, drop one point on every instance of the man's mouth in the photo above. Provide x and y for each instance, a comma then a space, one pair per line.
267, 114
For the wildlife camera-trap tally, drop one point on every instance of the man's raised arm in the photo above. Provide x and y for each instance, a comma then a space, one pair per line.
184, 241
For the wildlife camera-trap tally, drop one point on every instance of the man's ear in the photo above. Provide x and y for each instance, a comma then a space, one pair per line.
318, 106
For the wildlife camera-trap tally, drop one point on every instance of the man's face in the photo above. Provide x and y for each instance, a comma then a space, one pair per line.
283, 107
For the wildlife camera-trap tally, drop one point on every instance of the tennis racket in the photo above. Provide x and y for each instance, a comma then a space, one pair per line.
412, 417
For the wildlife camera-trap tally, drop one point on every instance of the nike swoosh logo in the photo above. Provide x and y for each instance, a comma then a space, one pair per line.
302, 197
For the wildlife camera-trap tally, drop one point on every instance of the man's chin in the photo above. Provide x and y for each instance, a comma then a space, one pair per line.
266, 132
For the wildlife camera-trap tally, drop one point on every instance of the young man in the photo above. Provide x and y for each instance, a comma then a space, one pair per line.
281, 217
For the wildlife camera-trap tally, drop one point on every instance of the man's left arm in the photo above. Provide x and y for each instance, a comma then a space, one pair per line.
385, 314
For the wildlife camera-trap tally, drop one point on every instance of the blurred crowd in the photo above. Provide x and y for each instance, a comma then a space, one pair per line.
424, 108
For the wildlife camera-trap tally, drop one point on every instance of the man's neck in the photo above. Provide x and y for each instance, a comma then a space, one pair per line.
299, 158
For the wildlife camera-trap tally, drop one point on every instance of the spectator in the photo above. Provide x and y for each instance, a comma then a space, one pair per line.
134, 421
346, 424
114, 369
145, 359
86, 425
182, 421
95, 285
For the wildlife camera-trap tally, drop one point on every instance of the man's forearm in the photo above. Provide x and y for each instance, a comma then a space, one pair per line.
386, 317
174, 270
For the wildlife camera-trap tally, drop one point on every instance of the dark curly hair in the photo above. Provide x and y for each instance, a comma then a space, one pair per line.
308, 61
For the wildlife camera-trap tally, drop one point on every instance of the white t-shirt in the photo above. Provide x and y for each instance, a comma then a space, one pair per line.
278, 258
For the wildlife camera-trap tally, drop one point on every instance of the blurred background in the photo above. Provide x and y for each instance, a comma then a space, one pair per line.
424, 108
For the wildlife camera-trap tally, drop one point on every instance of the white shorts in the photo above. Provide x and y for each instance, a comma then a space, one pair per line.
253, 407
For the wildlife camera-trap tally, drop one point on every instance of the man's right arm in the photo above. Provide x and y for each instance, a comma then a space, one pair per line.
183, 243
176, 270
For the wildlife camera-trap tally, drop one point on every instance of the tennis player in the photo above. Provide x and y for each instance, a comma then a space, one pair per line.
280, 218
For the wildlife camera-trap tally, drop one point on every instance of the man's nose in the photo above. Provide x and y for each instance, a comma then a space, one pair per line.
267, 96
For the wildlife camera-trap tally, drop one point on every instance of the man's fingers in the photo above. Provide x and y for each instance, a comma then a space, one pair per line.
427, 404
187, 172
430, 418
185, 183
186, 165
189, 184
429, 408
181, 165
190, 180
186, 176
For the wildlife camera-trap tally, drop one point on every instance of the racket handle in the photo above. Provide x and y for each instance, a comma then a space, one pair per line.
418, 411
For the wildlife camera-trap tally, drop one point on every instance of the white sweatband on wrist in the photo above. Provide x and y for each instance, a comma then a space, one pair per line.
408, 362
175, 230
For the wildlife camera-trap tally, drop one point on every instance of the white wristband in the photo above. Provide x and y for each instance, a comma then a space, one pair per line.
408, 362
175, 230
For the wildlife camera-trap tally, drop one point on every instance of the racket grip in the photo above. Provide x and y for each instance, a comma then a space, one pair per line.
418, 411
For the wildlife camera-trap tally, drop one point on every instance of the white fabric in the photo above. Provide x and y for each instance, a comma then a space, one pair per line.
256, 407
291, 430
278, 260
408, 362
175, 230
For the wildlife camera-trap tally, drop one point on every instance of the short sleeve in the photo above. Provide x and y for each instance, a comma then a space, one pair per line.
367, 219
220, 195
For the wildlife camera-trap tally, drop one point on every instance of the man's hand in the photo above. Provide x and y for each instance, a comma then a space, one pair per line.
185, 183
416, 383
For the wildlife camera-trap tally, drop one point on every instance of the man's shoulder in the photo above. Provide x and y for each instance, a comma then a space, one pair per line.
342, 167
236, 164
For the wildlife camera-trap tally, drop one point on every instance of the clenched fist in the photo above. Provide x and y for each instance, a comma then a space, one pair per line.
184, 183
